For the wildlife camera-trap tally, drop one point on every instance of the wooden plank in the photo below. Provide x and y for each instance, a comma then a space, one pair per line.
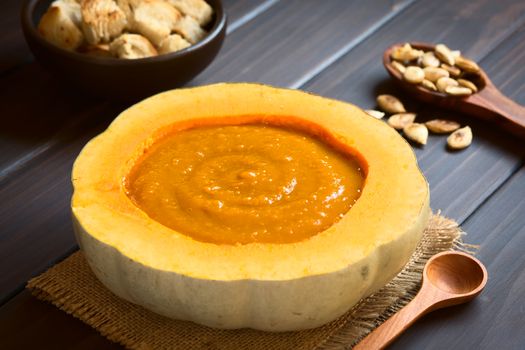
36, 238
495, 319
459, 181
244, 11
26, 321
44, 205
237, 52
296, 38
40, 110
20, 145
494, 154
52, 169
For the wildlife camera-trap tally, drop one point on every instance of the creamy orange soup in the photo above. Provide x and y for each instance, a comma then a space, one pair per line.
239, 184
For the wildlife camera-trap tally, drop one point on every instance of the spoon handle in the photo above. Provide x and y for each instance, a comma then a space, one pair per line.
386, 333
492, 105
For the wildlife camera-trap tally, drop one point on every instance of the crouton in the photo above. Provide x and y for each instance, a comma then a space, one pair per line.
102, 20
173, 43
132, 46
189, 29
60, 25
155, 19
197, 9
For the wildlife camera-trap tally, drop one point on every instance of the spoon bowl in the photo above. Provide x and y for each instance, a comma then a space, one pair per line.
457, 273
449, 278
488, 103
419, 91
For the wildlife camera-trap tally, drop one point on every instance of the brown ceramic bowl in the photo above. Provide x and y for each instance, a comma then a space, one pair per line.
120, 78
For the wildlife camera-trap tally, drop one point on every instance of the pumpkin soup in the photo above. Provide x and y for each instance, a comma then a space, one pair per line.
239, 184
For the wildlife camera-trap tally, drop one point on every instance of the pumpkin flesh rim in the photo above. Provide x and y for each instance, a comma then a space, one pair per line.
388, 207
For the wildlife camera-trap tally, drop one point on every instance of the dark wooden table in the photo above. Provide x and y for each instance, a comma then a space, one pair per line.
332, 48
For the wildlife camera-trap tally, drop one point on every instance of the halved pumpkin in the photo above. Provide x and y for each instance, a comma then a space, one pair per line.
266, 286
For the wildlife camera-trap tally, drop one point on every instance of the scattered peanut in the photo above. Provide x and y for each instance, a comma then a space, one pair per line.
468, 84
428, 85
438, 63
433, 73
374, 113
445, 82
405, 53
399, 67
455, 53
453, 71
400, 120
460, 138
414, 75
458, 90
416, 132
467, 65
442, 126
390, 104
444, 54
430, 60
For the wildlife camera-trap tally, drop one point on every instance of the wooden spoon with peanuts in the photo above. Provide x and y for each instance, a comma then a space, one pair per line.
449, 278
487, 103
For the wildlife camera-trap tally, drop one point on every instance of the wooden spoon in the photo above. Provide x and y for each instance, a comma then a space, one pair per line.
449, 278
488, 103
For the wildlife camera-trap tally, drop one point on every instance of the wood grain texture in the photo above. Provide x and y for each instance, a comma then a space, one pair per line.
52, 168
492, 105
459, 181
293, 38
285, 45
245, 11
494, 155
495, 319
25, 321
21, 144
238, 10
38, 232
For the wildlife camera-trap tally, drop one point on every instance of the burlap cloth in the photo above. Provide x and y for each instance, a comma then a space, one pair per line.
72, 287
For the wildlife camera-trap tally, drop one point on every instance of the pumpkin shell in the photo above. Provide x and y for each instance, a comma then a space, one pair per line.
271, 287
